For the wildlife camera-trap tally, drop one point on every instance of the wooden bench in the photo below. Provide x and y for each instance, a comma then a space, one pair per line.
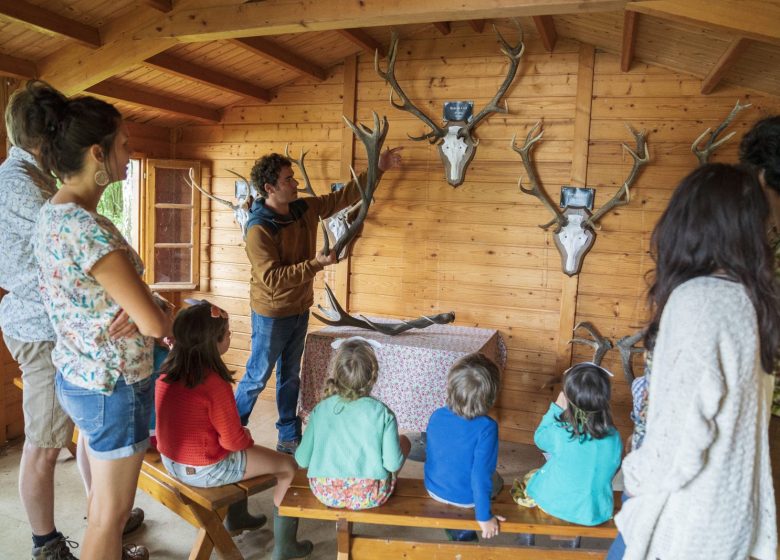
204, 508
410, 506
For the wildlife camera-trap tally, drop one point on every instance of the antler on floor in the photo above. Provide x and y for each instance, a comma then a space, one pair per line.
337, 317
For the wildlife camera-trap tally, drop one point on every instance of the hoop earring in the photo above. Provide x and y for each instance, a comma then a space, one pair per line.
101, 177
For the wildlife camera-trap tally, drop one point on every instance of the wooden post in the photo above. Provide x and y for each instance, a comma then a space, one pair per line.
579, 176
341, 270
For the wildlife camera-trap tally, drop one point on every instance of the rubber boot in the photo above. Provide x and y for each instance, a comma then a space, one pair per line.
239, 519
285, 544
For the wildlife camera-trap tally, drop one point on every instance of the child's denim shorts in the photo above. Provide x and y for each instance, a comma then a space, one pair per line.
116, 425
229, 470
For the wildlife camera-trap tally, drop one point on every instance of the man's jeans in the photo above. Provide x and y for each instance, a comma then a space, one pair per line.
275, 340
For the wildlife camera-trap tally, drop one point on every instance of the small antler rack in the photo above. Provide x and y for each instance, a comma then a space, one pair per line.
337, 317
627, 346
600, 344
703, 153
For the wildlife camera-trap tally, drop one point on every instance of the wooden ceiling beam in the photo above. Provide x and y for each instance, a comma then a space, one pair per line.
629, 40
17, 67
753, 19
51, 23
443, 27
478, 25
120, 92
546, 28
363, 40
276, 17
725, 62
160, 5
281, 56
186, 69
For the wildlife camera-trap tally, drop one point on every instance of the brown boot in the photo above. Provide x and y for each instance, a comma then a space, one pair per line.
135, 520
135, 552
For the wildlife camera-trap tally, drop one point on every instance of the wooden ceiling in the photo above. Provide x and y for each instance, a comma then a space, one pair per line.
176, 62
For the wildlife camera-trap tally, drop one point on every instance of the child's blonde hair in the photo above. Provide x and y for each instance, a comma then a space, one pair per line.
353, 371
472, 386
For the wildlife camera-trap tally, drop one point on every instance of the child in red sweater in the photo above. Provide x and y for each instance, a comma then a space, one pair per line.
199, 434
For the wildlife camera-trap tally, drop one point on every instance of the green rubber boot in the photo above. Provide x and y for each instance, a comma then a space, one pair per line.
238, 518
286, 546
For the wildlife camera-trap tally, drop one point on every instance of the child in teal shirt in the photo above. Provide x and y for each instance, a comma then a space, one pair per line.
351, 444
584, 450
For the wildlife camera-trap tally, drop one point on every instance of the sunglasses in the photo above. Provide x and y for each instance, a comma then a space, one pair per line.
215, 312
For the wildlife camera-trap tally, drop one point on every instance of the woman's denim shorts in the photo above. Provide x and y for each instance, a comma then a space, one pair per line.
229, 470
116, 425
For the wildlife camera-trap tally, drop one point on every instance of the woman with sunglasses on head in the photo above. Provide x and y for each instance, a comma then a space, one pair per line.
88, 273
700, 486
199, 433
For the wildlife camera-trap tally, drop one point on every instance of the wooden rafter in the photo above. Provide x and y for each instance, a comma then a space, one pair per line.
546, 28
160, 5
753, 19
275, 17
443, 27
17, 67
121, 92
45, 21
363, 40
281, 56
629, 40
478, 25
186, 69
725, 62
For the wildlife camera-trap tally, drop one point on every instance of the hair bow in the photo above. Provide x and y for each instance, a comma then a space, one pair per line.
336, 344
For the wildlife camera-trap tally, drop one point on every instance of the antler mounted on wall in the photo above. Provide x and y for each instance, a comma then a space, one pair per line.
337, 317
455, 139
302, 167
628, 347
704, 152
600, 344
575, 227
372, 141
240, 210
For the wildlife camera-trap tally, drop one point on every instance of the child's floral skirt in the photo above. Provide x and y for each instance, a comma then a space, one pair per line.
519, 491
352, 493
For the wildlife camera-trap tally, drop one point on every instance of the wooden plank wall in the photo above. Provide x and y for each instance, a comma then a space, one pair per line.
477, 250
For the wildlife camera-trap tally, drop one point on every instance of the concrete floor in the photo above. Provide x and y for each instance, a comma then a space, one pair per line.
168, 537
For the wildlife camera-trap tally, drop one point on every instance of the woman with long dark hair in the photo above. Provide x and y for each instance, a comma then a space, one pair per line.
701, 484
88, 272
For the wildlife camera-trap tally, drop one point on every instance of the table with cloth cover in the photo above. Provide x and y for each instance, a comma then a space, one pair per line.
413, 366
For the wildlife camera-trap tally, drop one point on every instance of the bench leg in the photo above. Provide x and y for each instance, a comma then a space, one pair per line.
202, 547
211, 523
343, 538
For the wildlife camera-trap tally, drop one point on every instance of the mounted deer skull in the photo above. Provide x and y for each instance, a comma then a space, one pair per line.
575, 228
455, 139
703, 153
337, 317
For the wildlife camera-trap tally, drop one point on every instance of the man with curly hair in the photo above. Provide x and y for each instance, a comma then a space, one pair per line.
281, 237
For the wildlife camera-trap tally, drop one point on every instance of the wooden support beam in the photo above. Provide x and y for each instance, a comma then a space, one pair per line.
546, 28
17, 67
275, 17
160, 5
186, 69
478, 25
629, 40
281, 56
48, 22
725, 62
364, 41
443, 27
752, 19
121, 92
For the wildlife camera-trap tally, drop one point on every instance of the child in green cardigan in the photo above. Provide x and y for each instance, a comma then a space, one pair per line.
351, 444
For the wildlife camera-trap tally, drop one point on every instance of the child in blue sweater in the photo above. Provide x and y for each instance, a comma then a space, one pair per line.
584, 451
351, 445
462, 444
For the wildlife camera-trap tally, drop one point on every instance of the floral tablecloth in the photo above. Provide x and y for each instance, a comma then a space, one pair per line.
412, 367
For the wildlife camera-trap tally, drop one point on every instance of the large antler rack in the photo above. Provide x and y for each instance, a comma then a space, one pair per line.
307, 188
337, 317
600, 344
373, 141
514, 54
703, 153
628, 347
437, 132
641, 157
559, 219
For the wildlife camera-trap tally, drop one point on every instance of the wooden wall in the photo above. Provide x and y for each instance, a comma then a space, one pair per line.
477, 250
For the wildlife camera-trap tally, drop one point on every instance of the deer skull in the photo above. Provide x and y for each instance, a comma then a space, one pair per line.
456, 152
574, 240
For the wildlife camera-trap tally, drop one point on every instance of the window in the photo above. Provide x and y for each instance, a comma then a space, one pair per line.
170, 225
